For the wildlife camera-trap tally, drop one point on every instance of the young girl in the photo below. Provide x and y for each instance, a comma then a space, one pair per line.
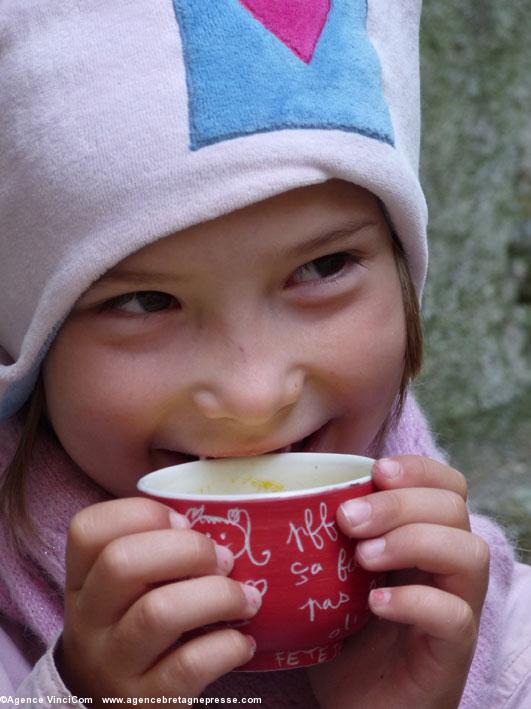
214, 245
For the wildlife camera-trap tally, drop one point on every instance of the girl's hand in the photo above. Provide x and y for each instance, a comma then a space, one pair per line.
417, 651
137, 579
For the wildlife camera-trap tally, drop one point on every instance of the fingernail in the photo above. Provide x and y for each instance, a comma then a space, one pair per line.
356, 511
389, 468
253, 596
252, 643
371, 548
178, 521
225, 558
380, 597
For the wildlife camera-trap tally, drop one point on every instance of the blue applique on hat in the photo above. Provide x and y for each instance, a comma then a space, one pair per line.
261, 65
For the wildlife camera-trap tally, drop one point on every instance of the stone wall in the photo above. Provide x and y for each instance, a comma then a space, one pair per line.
476, 170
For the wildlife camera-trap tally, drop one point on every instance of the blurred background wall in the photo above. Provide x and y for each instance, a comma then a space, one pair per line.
476, 169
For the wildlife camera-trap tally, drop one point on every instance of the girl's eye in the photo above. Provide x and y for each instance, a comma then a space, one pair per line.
326, 267
140, 303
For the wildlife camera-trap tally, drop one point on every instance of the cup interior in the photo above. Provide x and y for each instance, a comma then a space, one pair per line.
274, 475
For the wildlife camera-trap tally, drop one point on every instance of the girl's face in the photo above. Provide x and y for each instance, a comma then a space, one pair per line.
281, 324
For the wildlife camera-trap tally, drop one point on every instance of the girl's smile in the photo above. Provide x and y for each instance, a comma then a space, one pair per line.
276, 327
306, 444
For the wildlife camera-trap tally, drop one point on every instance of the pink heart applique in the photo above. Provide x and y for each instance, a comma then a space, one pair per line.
296, 23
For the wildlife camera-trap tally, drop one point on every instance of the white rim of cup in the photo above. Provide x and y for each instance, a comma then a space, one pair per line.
144, 487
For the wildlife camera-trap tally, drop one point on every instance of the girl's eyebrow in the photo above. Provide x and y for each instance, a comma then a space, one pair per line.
329, 237
138, 277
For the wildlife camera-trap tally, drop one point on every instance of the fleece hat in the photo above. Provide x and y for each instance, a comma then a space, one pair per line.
123, 122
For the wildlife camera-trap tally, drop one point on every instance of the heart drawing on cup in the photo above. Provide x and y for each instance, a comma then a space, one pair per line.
259, 584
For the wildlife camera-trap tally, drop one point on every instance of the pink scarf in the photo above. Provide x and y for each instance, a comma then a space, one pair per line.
31, 587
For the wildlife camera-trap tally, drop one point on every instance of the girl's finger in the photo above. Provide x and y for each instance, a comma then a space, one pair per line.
95, 526
458, 560
199, 662
129, 566
382, 511
158, 619
448, 620
417, 471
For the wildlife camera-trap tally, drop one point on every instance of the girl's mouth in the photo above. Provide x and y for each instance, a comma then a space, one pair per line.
308, 444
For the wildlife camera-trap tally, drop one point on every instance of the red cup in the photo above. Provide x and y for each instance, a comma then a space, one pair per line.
277, 515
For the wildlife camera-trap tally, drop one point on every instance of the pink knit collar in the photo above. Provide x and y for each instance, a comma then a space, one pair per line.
31, 588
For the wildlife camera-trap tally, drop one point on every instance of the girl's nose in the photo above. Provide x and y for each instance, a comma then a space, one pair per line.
249, 393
